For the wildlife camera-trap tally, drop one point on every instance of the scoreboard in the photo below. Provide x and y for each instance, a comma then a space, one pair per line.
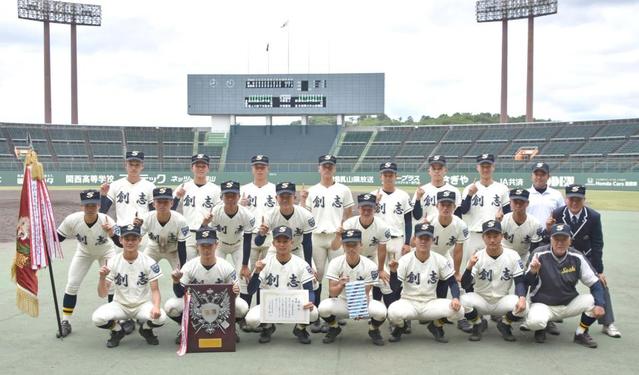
285, 94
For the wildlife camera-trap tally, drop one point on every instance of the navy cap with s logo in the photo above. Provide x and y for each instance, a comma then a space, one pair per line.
90, 197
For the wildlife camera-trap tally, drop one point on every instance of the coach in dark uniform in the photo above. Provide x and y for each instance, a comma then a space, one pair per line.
587, 237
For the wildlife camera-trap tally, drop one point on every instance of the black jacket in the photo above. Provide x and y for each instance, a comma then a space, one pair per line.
587, 237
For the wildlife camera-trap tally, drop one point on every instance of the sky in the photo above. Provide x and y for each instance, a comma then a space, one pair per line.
436, 58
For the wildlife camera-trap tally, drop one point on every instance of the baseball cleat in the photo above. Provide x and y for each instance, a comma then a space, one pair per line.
331, 335
65, 329
115, 338
475, 334
128, 326
265, 335
437, 332
551, 329
302, 335
148, 335
465, 326
585, 339
506, 331
407, 327
376, 336
396, 334
540, 336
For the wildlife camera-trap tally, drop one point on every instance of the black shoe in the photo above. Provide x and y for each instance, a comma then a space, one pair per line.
396, 334
437, 332
475, 333
341, 322
407, 327
376, 336
128, 326
178, 338
331, 335
551, 329
302, 335
585, 340
465, 326
115, 338
148, 335
324, 327
65, 329
316, 326
265, 335
506, 331
540, 336
484, 325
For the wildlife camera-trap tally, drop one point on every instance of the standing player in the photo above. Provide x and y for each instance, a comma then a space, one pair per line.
92, 230
204, 269
351, 266
543, 199
451, 233
552, 274
134, 276
198, 196
522, 232
282, 271
426, 195
330, 203
418, 273
489, 274
482, 200
131, 194
234, 226
375, 234
259, 198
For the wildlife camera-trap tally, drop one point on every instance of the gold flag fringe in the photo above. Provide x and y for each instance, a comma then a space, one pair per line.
27, 303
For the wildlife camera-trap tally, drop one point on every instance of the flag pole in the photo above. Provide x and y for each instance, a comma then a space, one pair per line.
55, 295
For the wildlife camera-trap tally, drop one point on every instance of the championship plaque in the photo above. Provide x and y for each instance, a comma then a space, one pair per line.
208, 320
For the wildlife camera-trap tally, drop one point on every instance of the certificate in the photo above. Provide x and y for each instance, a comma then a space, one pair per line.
284, 306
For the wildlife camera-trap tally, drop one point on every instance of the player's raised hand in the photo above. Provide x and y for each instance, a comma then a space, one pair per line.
393, 264
176, 275
344, 280
499, 215
110, 229
104, 271
455, 304
137, 221
259, 266
405, 249
472, 261
535, 264
419, 193
303, 194
549, 223
180, 191
244, 201
263, 227
472, 189
104, 188
208, 218
378, 196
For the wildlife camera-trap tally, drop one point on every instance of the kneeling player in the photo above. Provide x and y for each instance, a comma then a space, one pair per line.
351, 267
282, 271
204, 269
137, 296
418, 273
490, 272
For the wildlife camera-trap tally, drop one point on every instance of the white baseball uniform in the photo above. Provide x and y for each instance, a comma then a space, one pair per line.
275, 275
419, 285
392, 208
541, 205
130, 198
429, 199
197, 202
261, 202
132, 299
519, 237
377, 233
163, 238
492, 281
93, 244
193, 272
327, 205
301, 223
447, 237
366, 271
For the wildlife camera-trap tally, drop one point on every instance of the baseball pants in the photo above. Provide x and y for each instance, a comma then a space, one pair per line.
114, 311
540, 314
339, 308
404, 309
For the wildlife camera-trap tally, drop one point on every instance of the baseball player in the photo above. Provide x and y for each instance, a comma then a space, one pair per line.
521, 232
330, 203
92, 231
282, 270
134, 276
204, 269
552, 274
375, 234
351, 266
451, 233
131, 194
543, 199
418, 273
259, 197
198, 197
489, 275
482, 200
234, 226
426, 195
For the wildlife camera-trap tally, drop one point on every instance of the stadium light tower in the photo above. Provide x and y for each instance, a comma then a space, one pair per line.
505, 10
47, 11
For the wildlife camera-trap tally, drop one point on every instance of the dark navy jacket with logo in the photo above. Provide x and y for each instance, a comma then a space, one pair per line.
587, 237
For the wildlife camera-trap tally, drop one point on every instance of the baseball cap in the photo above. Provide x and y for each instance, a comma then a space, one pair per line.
491, 226
446, 196
366, 200
541, 166
90, 197
437, 159
388, 167
163, 193
575, 190
327, 159
205, 236
259, 159
560, 229
424, 229
351, 235
521, 194
285, 188
135, 156
200, 157
486, 159
282, 230
230, 187
130, 229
